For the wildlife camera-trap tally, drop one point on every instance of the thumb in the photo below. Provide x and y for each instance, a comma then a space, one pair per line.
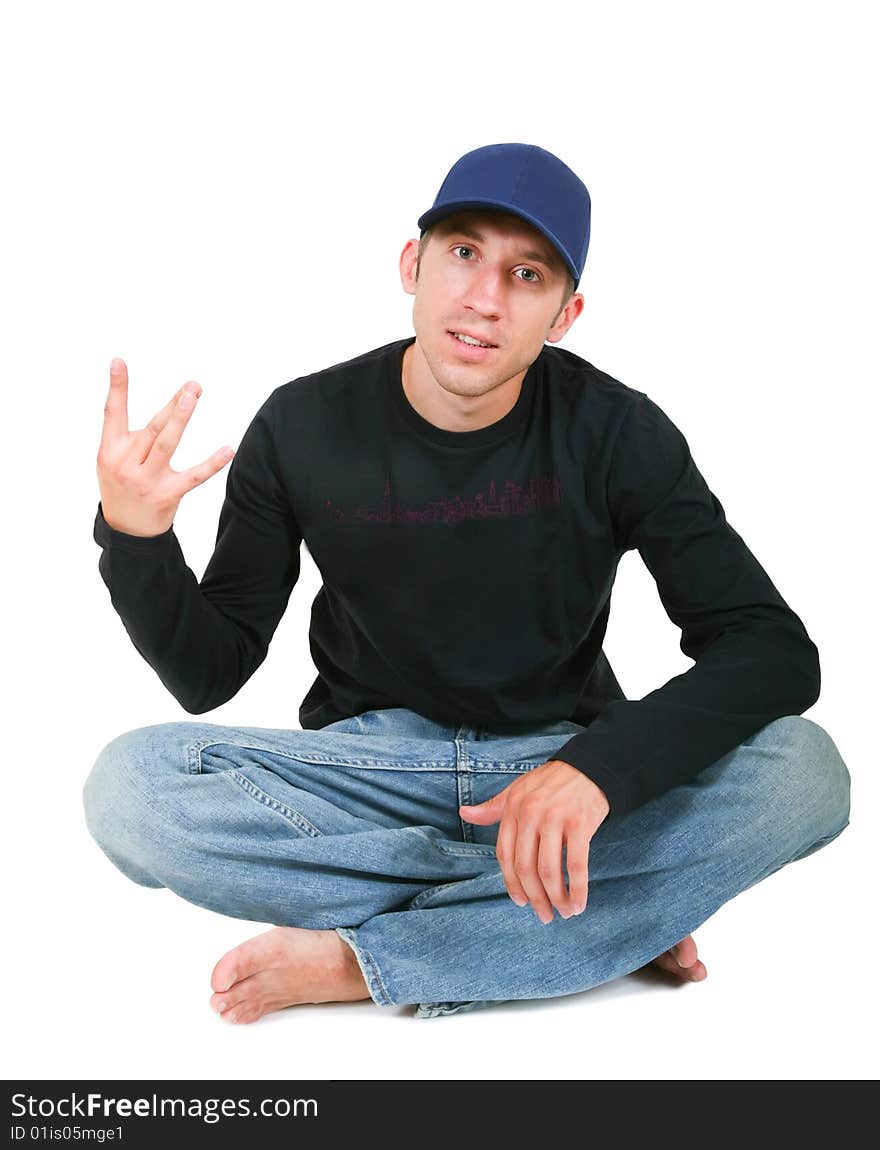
487, 812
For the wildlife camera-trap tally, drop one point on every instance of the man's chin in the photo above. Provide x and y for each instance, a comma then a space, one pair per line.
468, 384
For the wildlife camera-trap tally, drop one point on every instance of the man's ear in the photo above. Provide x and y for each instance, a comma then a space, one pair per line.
566, 318
408, 260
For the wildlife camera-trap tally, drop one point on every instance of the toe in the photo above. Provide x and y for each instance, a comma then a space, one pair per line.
248, 1012
685, 952
225, 973
240, 962
697, 972
223, 1002
667, 962
671, 961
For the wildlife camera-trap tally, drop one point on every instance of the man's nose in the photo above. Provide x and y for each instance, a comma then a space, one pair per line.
485, 291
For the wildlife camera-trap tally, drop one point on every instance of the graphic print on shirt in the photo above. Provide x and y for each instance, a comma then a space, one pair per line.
541, 493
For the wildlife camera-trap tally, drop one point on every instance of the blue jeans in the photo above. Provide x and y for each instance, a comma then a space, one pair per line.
355, 828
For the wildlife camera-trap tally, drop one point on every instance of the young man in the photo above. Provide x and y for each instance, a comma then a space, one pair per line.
467, 763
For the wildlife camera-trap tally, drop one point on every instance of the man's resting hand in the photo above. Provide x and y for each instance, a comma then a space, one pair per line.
552, 806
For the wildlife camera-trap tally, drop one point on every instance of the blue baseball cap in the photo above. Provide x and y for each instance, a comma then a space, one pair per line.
528, 181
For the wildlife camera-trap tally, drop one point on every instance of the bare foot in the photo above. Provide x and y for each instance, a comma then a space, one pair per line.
284, 966
681, 960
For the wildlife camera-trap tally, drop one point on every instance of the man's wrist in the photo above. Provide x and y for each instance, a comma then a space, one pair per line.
600, 796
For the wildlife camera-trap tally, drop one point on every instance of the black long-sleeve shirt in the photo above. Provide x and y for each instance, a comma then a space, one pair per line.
468, 575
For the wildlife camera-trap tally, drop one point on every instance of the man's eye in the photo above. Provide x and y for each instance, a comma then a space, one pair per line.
532, 275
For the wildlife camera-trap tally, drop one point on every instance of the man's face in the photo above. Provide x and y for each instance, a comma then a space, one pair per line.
490, 275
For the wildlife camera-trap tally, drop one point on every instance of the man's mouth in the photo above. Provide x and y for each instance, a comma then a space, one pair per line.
470, 340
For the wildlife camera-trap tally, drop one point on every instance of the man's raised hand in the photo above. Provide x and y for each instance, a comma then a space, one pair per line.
140, 491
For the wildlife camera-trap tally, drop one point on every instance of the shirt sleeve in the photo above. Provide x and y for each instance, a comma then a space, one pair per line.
206, 638
753, 659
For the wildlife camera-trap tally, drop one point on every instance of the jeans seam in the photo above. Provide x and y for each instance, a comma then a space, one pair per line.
195, 749
422, 897
194, 757
369, 968
460, 852
474, 766
274, 804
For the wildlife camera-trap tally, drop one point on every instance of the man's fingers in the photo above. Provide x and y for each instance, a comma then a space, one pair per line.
194, 476
577, 852
116, 407
505, 848
550, 868
166, 426
146, 437
526, 867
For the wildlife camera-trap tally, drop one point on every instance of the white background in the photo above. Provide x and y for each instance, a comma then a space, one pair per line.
220, 192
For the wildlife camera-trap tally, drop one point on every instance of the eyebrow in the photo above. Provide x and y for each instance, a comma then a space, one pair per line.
543, 257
